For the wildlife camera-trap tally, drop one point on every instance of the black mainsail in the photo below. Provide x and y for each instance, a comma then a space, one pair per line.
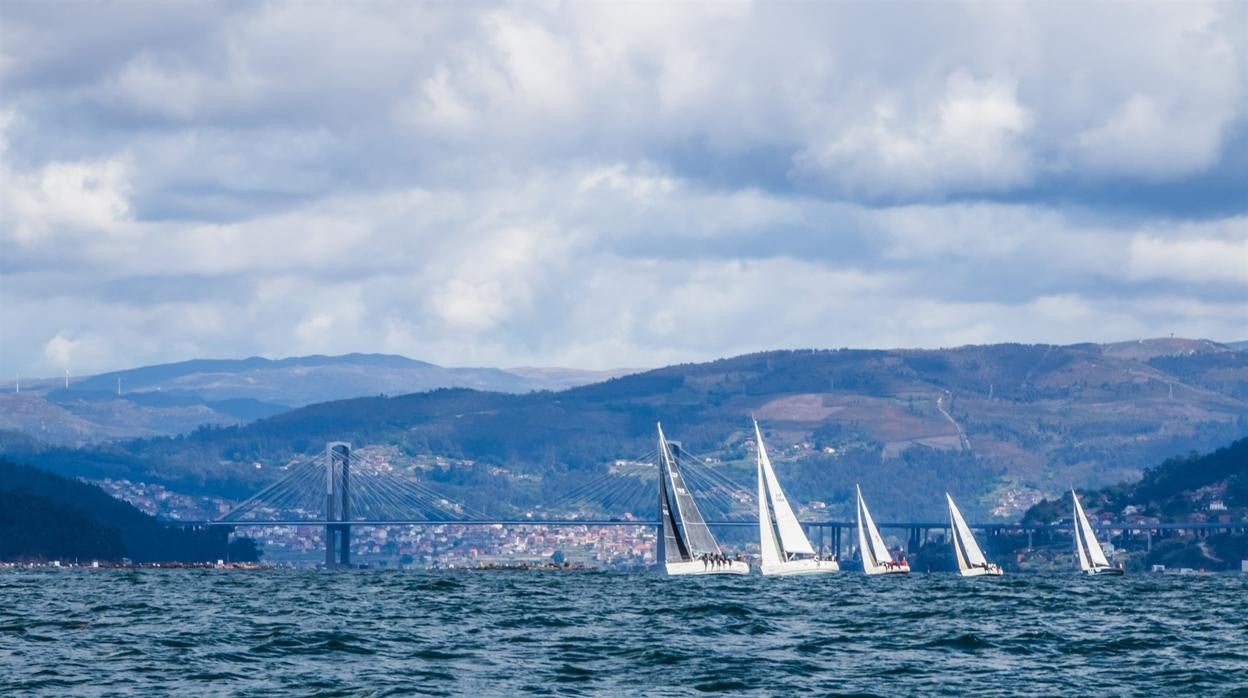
689, 531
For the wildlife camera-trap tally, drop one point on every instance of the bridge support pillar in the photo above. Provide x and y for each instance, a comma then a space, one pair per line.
221, 542
337, 503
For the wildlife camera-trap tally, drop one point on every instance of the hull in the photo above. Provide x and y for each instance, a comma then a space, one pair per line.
699, 567
992, 571
1104, 572
796, 567
903, 568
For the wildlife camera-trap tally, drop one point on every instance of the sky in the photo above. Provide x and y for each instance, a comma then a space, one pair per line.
614, 184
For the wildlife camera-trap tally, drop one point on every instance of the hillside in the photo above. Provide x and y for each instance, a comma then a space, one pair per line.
44, 516
999, 425
170, 399
1197, 488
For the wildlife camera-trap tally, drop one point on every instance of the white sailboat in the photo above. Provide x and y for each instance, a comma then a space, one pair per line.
971, 560
1092, 558
785, 548
687, 546
875, 556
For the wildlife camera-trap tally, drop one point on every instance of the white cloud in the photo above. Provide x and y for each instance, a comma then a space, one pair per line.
60, 350
609, 184
1192, 260
972, 139
1146, 138
64, 198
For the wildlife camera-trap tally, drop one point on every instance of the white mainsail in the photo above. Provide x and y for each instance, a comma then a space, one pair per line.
793, 540
965, 547
1091, 556
870, 544
1084, 563
769, 545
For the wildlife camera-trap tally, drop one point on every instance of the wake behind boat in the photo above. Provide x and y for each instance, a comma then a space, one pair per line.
1091, 557
875, 556
687, 546
971, 560
784, 546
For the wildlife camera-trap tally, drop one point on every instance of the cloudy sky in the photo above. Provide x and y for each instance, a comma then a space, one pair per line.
603, 185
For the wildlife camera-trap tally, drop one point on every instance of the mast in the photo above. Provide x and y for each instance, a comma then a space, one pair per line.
1091, 550
871, 538
693, 529
864, 545
793, 540
964, 538
769, 546
960, 556
1084, 564
672, 547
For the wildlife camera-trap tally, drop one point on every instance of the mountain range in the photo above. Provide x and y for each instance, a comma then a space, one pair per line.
999, 426
170, 399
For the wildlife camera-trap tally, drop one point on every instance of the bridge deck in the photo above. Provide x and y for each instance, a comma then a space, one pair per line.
933, 525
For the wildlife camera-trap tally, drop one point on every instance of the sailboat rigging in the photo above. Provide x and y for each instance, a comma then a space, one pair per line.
785, 549
687, 546
876, 559
971, 560
1091, 557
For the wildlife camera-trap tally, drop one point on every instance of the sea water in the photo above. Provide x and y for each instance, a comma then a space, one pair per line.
275, 632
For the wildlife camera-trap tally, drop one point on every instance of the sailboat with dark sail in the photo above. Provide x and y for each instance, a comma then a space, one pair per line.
1091, 557
686, 545
971, 560
784, 547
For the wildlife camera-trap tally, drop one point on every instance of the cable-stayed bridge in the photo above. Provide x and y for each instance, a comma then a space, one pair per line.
341, 488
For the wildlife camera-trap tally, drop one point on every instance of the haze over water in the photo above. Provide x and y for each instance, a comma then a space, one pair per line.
589, 633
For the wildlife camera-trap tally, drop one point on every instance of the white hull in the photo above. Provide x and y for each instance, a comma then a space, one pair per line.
993, 571
699, 567
902, 568
796, 567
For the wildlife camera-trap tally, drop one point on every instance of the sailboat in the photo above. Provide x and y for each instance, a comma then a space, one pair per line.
785, 548
971, 560
875, 556
1091, 557
687, 546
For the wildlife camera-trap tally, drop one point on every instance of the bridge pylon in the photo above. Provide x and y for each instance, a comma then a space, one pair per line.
337, 503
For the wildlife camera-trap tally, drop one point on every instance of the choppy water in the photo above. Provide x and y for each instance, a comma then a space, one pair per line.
197, 632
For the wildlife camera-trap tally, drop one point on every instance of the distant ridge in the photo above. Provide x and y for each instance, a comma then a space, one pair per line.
146, 376
1144, 349
174, 398
995, 424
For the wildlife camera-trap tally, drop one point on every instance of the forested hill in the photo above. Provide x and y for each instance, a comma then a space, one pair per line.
1197, 488
1184, 488
992, 424
44, 516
